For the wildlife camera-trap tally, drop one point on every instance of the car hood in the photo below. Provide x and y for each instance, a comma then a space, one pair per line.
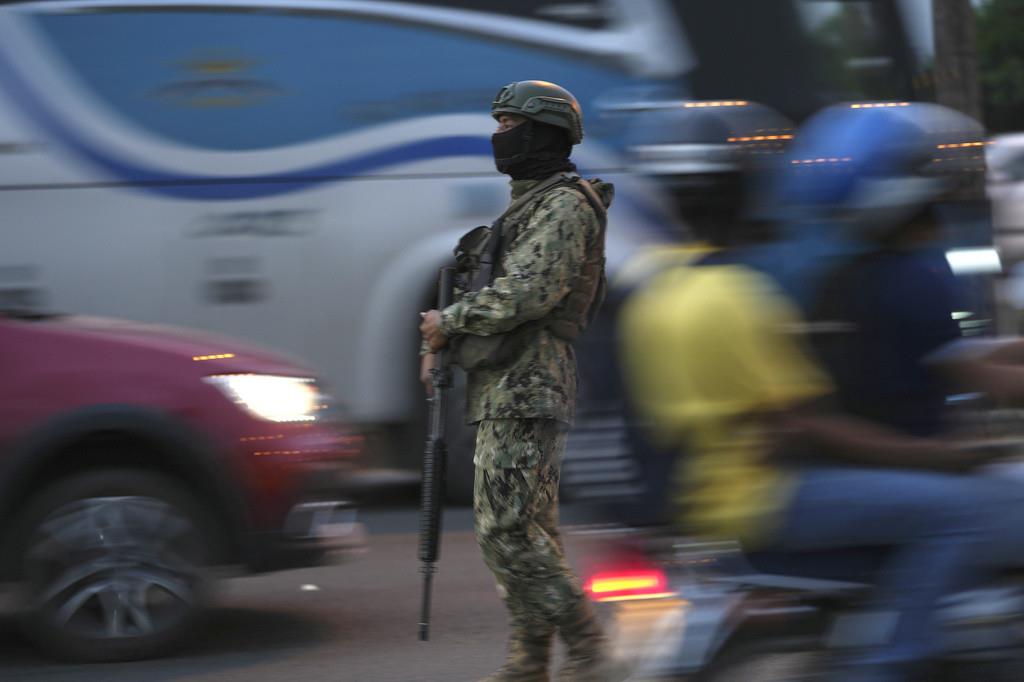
222, 353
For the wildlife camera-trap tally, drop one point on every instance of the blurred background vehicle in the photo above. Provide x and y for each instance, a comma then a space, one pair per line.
135, 458
294, 172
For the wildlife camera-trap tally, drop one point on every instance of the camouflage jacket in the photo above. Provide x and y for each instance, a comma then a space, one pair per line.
555, 233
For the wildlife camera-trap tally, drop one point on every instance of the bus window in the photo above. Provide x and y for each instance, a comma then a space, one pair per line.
798, 56
854, 48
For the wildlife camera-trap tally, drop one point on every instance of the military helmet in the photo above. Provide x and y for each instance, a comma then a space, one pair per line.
541, 101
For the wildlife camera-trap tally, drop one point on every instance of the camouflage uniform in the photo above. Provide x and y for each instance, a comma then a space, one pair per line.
523, 408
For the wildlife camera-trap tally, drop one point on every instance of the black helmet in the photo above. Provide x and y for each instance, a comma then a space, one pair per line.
543, 102
708, 154
705, 138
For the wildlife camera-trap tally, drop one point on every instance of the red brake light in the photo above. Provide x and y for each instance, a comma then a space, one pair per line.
647, 583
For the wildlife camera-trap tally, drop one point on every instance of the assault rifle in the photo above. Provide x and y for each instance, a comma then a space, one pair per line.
435, 457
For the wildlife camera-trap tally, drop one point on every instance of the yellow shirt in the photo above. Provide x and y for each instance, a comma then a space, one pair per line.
707, 350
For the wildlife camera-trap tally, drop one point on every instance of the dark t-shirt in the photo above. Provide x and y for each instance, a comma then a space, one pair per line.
877, 320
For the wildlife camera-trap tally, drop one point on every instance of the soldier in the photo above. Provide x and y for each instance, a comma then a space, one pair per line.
530, 285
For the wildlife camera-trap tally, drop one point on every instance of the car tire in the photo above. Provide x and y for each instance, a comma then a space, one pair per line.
113, 565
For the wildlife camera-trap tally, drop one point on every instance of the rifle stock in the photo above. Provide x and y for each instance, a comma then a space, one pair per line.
435, 459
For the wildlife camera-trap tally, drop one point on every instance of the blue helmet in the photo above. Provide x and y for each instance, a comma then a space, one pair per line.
874, 166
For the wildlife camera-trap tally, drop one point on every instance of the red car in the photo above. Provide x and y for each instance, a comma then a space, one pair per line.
133, 458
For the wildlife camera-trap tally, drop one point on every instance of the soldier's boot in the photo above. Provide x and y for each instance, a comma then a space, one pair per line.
589, 657
528, 657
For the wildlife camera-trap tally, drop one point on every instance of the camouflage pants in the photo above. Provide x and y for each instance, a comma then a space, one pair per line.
515, 503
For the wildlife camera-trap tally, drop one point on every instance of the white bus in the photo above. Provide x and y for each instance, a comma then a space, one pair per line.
293, 172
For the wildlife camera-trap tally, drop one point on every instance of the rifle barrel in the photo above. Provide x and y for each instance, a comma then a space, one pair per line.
428, 578
435, 455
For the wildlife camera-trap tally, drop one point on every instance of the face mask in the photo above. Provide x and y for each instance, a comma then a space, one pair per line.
512, 146
532, 151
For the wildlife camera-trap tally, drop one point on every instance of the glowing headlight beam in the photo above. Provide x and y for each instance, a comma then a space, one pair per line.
274, 398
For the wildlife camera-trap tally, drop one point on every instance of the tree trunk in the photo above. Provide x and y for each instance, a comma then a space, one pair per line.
957, 83
956, 56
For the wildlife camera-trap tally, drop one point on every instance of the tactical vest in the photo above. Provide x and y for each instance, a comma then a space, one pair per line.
479, 258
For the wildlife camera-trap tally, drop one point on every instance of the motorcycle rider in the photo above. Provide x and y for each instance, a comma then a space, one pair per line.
693, 152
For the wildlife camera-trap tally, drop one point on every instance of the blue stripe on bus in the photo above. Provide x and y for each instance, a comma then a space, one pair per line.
212, 188
199, 187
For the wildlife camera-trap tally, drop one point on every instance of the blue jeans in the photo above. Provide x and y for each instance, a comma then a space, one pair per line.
947, 532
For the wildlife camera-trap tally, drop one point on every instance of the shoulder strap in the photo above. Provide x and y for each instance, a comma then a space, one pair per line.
591, 196
563, 179
541, 187
491, 256
601, 292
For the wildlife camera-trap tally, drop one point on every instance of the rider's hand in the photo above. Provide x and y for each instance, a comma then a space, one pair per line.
970, 454
427, 364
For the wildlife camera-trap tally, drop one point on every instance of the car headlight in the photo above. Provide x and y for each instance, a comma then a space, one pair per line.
274, 398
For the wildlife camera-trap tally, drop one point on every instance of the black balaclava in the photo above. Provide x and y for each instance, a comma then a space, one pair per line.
532, 151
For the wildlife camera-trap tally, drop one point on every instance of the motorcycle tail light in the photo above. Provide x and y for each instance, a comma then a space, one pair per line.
629, 584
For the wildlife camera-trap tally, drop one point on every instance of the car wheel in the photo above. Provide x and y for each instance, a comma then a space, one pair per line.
112, 565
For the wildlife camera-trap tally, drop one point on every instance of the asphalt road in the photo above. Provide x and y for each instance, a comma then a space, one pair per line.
354, 621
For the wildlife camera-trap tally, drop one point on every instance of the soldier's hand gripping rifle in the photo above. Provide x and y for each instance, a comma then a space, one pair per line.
435, 458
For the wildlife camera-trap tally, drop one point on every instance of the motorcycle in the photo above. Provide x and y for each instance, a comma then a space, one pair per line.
694, 611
